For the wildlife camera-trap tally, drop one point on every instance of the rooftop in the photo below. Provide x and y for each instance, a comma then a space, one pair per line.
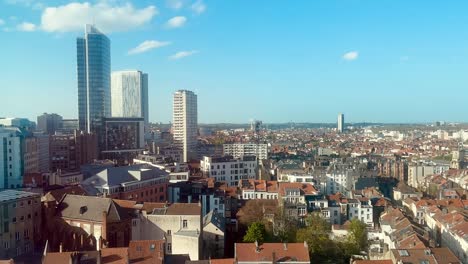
9, 195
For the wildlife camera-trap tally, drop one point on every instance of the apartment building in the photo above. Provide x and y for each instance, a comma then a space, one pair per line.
229, 169
20, 216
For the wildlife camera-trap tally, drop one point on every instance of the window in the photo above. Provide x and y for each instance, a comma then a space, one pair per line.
13, 220
6, 244
216, 238
184, 223
29, 202
22, 218
6, 227
169, 232
169, 247
29, 216
14, 205
17, 236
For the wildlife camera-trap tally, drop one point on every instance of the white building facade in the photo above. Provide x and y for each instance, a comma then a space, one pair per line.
228, 169
185, 122
238, 150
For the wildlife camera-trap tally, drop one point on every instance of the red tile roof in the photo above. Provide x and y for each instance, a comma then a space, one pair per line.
265, 252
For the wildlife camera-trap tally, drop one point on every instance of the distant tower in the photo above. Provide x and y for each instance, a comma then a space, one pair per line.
341, 123
185, 122
93, 65
129, 94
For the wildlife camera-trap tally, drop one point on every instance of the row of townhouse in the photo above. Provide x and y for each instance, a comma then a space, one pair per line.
397, 232
301, 198
446, 221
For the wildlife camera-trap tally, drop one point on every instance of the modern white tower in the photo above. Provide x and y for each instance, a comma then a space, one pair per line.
340, 123
129, 94
185, 122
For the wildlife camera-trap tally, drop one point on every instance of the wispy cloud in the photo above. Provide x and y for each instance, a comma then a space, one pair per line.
404, 58
34, 4
2, 22
182, 54
198, 7
26, 26
176, 22
175, 4
350, 56
148, 45
107, 17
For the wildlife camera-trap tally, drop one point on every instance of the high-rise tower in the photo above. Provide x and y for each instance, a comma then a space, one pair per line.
129, 94
340, 123
93, 66
185, 122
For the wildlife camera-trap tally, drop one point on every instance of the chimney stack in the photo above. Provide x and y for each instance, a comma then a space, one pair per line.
285, 246
273, 257
104, 226
257, 248
61, 248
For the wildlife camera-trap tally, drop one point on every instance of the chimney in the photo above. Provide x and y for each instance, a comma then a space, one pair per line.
285, 246
61, 248
306, 245
104, 226
273, 257
99, 244
98, 258
257, 248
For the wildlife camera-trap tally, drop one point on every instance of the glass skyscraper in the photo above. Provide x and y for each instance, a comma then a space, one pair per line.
93, 66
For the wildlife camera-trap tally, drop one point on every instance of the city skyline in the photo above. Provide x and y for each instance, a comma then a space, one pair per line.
357, 62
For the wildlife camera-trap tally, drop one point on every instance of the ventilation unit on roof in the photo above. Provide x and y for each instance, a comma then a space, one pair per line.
403, 253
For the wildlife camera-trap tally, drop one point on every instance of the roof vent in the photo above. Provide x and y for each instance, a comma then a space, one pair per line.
83, 209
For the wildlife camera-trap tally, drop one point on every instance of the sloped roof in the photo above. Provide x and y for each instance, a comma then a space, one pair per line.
90, 208
216, 219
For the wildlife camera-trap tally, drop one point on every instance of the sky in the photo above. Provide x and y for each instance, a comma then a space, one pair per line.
270, 60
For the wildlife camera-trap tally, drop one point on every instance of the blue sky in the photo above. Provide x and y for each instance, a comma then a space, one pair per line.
272, 60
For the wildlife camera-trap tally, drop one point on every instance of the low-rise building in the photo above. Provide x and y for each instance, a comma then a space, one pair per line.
21, 223
179, 224
142, 183
214, 228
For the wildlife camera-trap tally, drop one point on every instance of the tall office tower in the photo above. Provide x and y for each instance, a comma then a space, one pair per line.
341, 123
129, 94
93, 65
185, 122
49, 123
11, 158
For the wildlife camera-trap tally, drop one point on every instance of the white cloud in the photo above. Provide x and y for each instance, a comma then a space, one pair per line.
199, 7
148, 45
183, 54
404, 58
2, 22
175, 4
73, 17
350, 56
176, 22
26, 26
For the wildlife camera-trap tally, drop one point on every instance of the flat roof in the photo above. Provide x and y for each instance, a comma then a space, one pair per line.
8, 195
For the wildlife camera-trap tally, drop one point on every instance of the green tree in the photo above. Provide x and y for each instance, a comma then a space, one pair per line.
317, 235
255, 232
357, 237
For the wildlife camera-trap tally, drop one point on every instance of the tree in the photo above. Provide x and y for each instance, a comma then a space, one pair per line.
255, 232
357, 237
253, 211
284, 227
317, 235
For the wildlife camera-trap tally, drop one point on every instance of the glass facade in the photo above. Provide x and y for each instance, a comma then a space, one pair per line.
93, 69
